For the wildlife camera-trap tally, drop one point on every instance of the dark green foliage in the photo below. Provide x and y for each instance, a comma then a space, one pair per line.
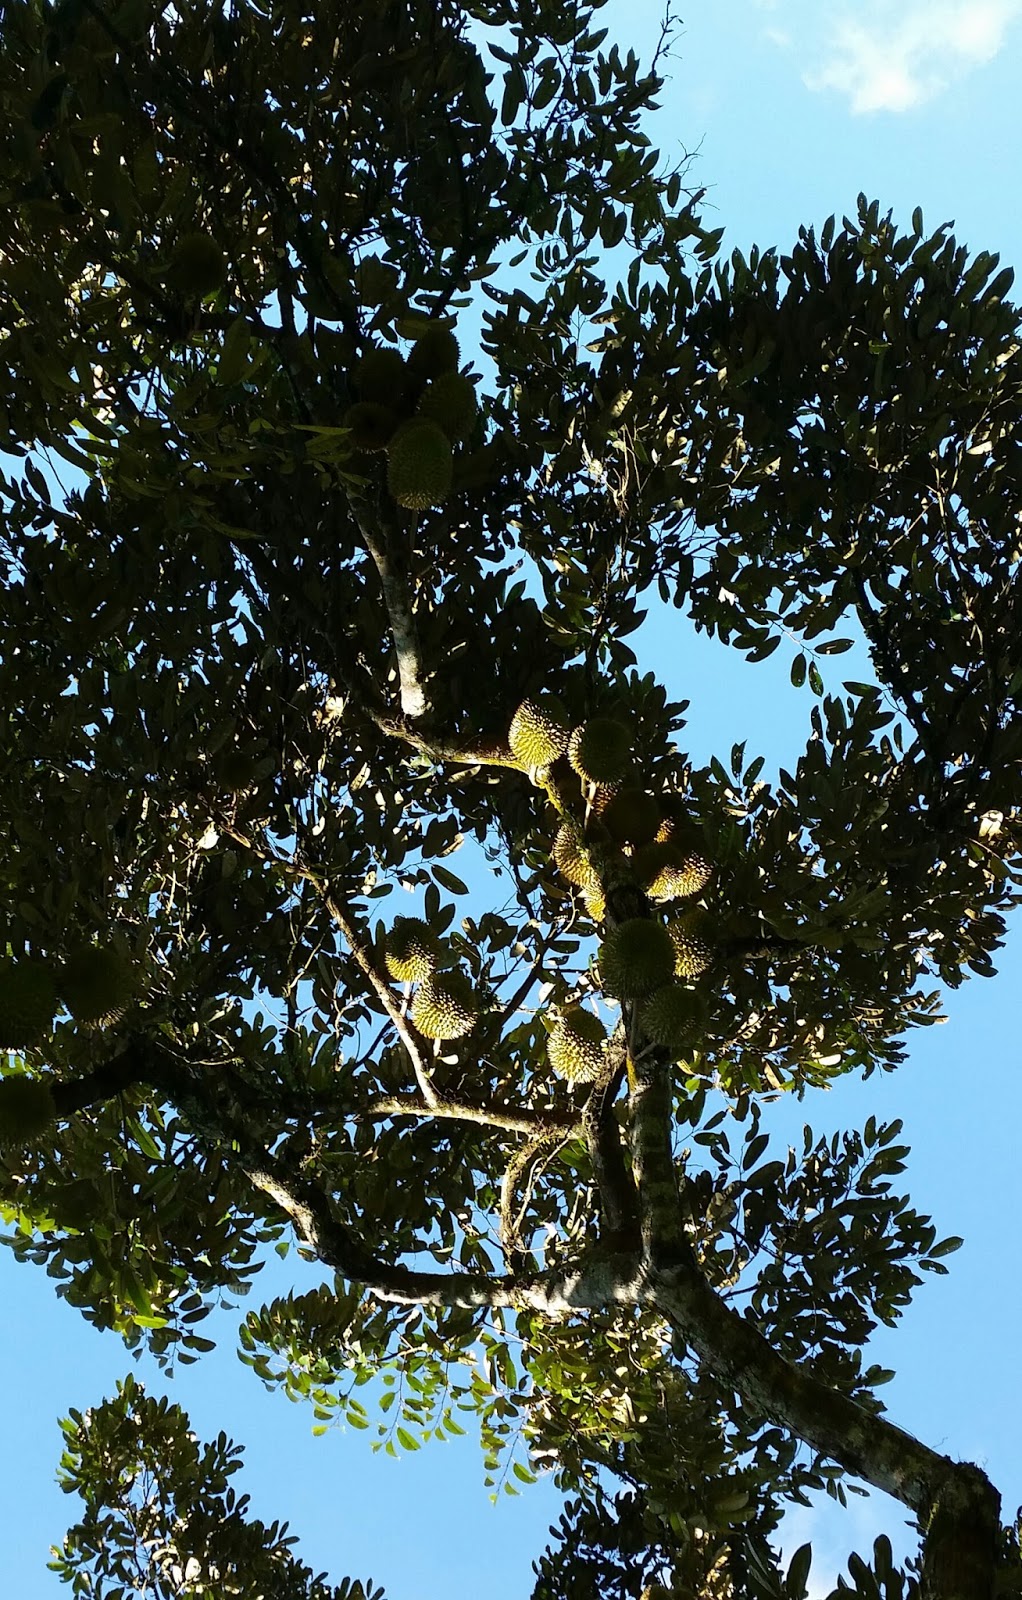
246, 699
159, 1511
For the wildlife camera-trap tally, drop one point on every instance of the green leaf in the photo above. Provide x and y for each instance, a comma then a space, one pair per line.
448, 881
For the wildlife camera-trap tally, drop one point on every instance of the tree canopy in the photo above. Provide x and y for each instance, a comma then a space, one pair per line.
369, 377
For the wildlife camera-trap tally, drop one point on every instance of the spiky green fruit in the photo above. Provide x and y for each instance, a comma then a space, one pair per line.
636, 958
380, 376
445, 1006
435, 353
27, 1111
596, 905
198, 266
372, 425
450, 401
632, 816
28, 999
538, 733
97, 985
691, 942
601, 797
666, 873
569, 853
599, 750
673, 1016
419, 465
413, 950
575, 1045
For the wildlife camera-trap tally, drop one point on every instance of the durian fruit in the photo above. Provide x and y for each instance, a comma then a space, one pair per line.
632, 816
673, 1016
599, 799
419, 465
372, 425
412, 950
691, 943
198, 266
445, 1006
97, 985
450, 402
636, 958
599, 750
575, 1046
596, 905
27, 1111
435, 353
28, 999
380, 376
666, 873
538, 733
680, 831
569, 853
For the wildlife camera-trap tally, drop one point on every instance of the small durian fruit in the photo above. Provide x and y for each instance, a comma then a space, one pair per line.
599, 750
690, 941
27, 1111
412, 950
372, 425
600, 798
198, 266
445, 1006
538, 733
380, 376
450, 401
28, 999
596, 905
570, 855
673, 1016
636, 958
632, 816
419, 465
435, 353
97, 985
575, 1045
666, 873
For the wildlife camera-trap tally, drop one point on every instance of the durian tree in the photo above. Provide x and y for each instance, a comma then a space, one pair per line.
368, 377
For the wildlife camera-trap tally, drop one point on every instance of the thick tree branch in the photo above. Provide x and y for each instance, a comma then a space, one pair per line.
565, 1124
618, 1200
393, 575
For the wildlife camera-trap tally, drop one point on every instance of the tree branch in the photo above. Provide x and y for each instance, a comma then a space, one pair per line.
393, 575
564, 1124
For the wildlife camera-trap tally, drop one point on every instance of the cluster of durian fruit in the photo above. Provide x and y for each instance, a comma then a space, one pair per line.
445, 1005
416, 410
657, 848
95, 984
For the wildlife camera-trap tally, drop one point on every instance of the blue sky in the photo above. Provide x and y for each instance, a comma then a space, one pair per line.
791, 108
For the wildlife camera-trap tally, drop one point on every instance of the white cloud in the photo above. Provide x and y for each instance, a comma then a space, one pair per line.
901, 54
